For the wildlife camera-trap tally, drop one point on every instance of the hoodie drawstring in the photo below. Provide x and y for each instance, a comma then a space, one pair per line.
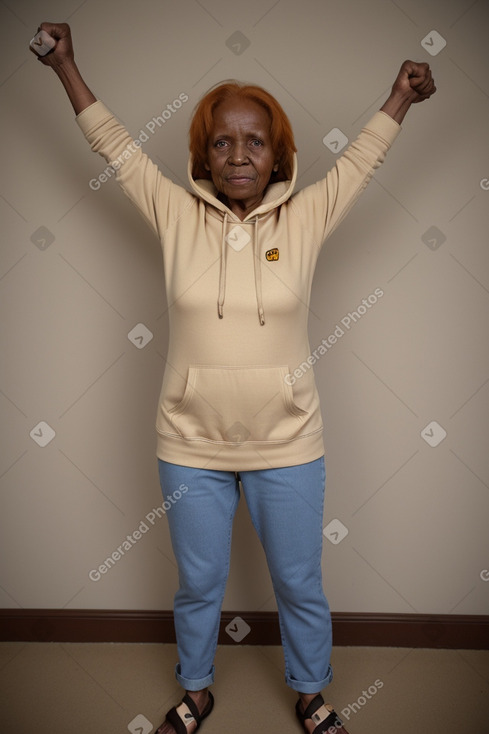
222, 270
257, 271
257, 265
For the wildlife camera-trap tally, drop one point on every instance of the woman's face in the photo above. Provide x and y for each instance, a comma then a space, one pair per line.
240, 157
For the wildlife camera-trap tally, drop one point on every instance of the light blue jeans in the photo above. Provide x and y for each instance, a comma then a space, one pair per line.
286, 508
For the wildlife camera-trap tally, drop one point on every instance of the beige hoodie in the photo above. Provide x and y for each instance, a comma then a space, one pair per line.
238, 301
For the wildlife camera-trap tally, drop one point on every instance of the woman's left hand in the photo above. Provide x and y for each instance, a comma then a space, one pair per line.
414, 81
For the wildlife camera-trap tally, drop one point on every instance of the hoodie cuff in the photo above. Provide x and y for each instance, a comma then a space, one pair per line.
384, 126
92, 116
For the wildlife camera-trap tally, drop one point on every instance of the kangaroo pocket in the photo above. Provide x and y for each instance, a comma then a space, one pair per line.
237, 404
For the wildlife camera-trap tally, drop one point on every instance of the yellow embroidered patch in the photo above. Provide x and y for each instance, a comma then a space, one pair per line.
272, 254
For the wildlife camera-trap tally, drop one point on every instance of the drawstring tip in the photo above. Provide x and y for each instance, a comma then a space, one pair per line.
219, 311
262, 319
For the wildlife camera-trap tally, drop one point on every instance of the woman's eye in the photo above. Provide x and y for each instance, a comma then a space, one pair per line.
254, 143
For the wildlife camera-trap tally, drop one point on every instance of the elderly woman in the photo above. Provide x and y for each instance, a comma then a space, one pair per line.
239, 255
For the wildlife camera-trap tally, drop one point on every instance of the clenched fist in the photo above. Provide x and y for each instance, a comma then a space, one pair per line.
62, 61
414, 81
63, 50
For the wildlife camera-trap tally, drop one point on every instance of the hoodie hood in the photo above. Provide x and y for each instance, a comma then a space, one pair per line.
274, 195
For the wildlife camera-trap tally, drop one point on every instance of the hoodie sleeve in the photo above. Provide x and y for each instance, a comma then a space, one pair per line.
323, 205
158, 199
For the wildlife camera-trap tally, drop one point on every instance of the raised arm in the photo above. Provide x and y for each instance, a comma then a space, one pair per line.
413, 84
62, 61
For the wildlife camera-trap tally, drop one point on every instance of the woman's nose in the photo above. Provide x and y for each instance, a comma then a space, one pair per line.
238, 154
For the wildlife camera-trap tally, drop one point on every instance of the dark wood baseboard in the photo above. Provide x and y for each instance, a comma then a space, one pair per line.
349, 628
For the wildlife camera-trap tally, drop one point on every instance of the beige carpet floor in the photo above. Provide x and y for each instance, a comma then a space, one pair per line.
61, 688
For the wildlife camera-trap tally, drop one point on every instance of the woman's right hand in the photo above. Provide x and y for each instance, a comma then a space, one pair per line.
62, 53
62, 61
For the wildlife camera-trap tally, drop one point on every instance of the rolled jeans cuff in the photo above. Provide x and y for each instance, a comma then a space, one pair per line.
309, 686
193, 684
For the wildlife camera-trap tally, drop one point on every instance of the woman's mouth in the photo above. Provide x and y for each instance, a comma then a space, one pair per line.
238, 180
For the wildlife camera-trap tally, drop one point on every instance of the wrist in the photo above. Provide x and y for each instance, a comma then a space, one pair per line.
397, 104
79, 94
66, 68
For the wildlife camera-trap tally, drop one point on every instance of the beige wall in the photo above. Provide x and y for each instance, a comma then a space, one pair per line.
416, 514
